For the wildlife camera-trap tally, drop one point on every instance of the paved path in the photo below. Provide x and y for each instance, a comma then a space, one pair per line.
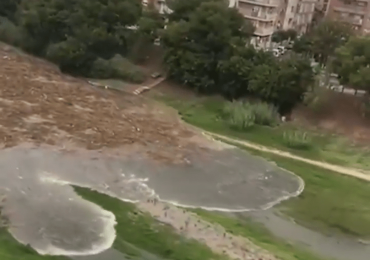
142, 89
342, 170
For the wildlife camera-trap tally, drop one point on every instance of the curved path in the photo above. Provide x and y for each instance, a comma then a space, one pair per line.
342, 170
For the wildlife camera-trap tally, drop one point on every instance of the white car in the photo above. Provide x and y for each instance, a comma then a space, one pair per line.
281, 49
276, 52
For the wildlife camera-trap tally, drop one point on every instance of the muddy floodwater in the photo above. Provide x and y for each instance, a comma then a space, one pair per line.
334, 246
45, 212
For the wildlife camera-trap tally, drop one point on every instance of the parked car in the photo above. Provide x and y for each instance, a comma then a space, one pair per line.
281, 49
276, 52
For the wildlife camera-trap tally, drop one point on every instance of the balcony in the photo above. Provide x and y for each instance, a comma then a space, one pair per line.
351, 9
352, 20
269, 3
264, 17
264, 31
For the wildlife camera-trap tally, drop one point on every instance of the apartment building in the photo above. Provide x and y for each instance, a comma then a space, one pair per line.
355, 12
323, 5
263, 14
271, 15
266, 15
297, 15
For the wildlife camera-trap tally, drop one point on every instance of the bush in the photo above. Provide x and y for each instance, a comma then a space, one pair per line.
10, 33
265, 114
297, 140
238, 115
243, 115
317, 98
71, 56
102, 69
117, 67
126, 70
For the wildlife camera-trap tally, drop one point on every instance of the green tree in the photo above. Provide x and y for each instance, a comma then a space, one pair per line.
74, 33
8, 8
195, 47
234, 72
352, 63
283, 35
102, 25
72, 56
328, 36
282, 82
303, 45
182, 10
150, 24
148, 30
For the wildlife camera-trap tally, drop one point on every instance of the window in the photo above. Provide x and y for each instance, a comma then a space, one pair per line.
290, 20
292, 9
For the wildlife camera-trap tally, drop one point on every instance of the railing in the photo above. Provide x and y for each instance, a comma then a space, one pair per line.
350, 9
262, 2
258, 16
264, 31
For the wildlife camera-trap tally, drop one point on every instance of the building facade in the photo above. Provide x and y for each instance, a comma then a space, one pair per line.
267, 16
297, 15
355, 12
263, 14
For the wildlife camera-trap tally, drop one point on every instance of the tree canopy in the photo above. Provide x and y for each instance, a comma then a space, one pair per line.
322, 41
283, 35
209, 50
8, 8
352, 63
100, 25
195, 47
206, 44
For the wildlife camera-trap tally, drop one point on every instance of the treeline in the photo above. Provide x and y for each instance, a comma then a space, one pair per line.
207, 48
82, 37
337, 48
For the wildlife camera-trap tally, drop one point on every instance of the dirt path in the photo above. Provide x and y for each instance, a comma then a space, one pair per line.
342, 170
213, 235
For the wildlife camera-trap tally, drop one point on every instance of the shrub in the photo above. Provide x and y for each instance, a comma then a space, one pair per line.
317, 98
243, 115
265, 114
126, 70
117, 67
10, 33
102, 69
238, 115
71, 56
297, 140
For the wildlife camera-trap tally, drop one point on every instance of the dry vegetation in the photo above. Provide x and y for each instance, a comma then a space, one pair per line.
337, 113
39, 104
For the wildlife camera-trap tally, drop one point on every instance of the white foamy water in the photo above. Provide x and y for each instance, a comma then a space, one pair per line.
47, 214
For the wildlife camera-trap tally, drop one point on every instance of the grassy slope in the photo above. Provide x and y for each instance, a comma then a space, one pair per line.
330, 202
142, 231
204, 113
135, 231
10, 249
145, 233
259, 235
